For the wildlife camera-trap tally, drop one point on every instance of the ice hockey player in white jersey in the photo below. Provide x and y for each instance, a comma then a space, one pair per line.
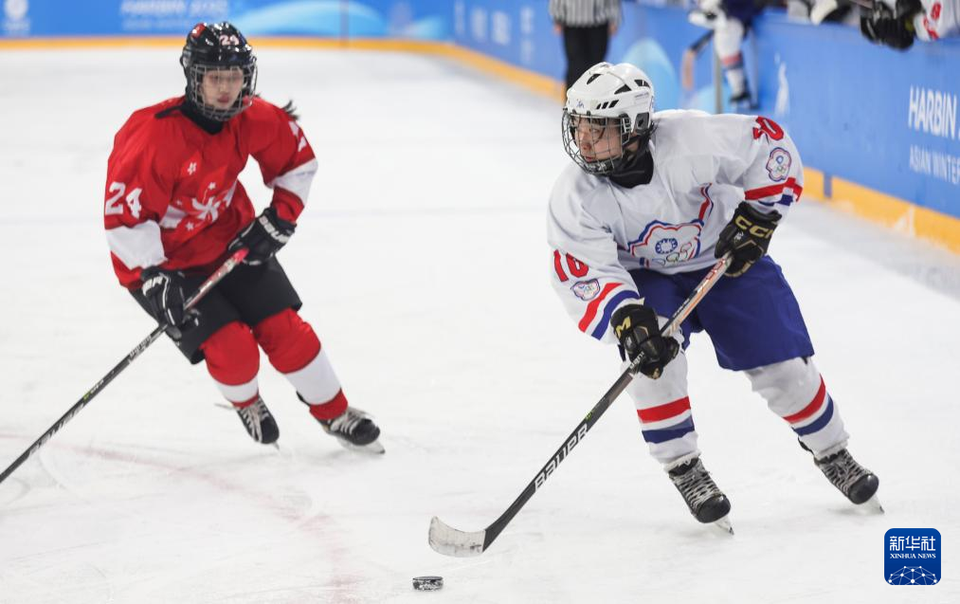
634, 224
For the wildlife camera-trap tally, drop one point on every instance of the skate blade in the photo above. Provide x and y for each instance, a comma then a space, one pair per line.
873, 505
724, 524
374, 448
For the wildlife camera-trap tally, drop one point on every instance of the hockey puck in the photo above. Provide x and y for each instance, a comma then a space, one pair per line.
427, 583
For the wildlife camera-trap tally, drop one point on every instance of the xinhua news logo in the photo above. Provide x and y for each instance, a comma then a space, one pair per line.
912, 556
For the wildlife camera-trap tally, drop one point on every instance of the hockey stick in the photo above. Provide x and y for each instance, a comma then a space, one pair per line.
202, 291
449, 541
687, 63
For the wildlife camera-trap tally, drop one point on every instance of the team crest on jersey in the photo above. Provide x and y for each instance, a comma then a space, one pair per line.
586, 290
778, 166
662, 244
667, 245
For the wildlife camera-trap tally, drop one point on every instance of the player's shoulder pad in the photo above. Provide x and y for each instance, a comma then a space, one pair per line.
672, 123
572, 194
144, 118
146, 125
261, 112
575, 184
680, 133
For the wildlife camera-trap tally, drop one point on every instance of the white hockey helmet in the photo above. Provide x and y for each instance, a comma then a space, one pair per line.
608, 96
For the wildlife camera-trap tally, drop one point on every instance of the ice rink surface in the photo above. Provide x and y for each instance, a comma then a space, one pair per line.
422, 262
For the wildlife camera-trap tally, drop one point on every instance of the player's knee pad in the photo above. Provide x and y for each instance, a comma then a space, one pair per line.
288, 340
788, 387
728, 38
232, 354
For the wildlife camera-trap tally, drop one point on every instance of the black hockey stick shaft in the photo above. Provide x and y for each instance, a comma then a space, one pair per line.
231, 262
601, 407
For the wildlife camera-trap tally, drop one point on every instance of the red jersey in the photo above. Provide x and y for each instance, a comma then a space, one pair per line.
172, 194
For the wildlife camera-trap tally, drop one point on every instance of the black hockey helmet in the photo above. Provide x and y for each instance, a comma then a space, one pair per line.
218, 46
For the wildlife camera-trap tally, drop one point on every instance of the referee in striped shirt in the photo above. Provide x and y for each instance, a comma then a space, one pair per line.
586, 26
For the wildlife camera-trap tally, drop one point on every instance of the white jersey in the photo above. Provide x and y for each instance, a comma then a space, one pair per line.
704, 166
938, 19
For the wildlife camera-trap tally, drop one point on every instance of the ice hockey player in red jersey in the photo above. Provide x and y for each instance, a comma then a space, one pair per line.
174, 211
650, 202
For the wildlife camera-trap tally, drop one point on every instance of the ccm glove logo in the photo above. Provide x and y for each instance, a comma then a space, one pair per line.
746, 237
754, 230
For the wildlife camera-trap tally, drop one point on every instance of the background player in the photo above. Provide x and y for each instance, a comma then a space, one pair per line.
174, 207
635, 224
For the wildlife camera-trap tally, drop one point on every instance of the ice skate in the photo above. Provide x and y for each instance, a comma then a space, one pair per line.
742, 102
857, 483
706, 501
355, 430
258, 421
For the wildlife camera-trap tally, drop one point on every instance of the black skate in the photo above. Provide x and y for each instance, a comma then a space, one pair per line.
259, 422
355, 430
853, 480
742, 102
706, 501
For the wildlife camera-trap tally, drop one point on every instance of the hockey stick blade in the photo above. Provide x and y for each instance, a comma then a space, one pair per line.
446, 540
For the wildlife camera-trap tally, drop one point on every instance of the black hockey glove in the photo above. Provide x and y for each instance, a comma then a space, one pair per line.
638, 330
747, 235
263, 237
165, 292
893, 27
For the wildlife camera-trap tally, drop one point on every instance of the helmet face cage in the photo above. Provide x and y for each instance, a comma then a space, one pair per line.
596, 144
218, 47
195, 73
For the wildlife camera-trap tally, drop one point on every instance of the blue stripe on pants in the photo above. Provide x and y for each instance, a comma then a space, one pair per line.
665, 434
822, 421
